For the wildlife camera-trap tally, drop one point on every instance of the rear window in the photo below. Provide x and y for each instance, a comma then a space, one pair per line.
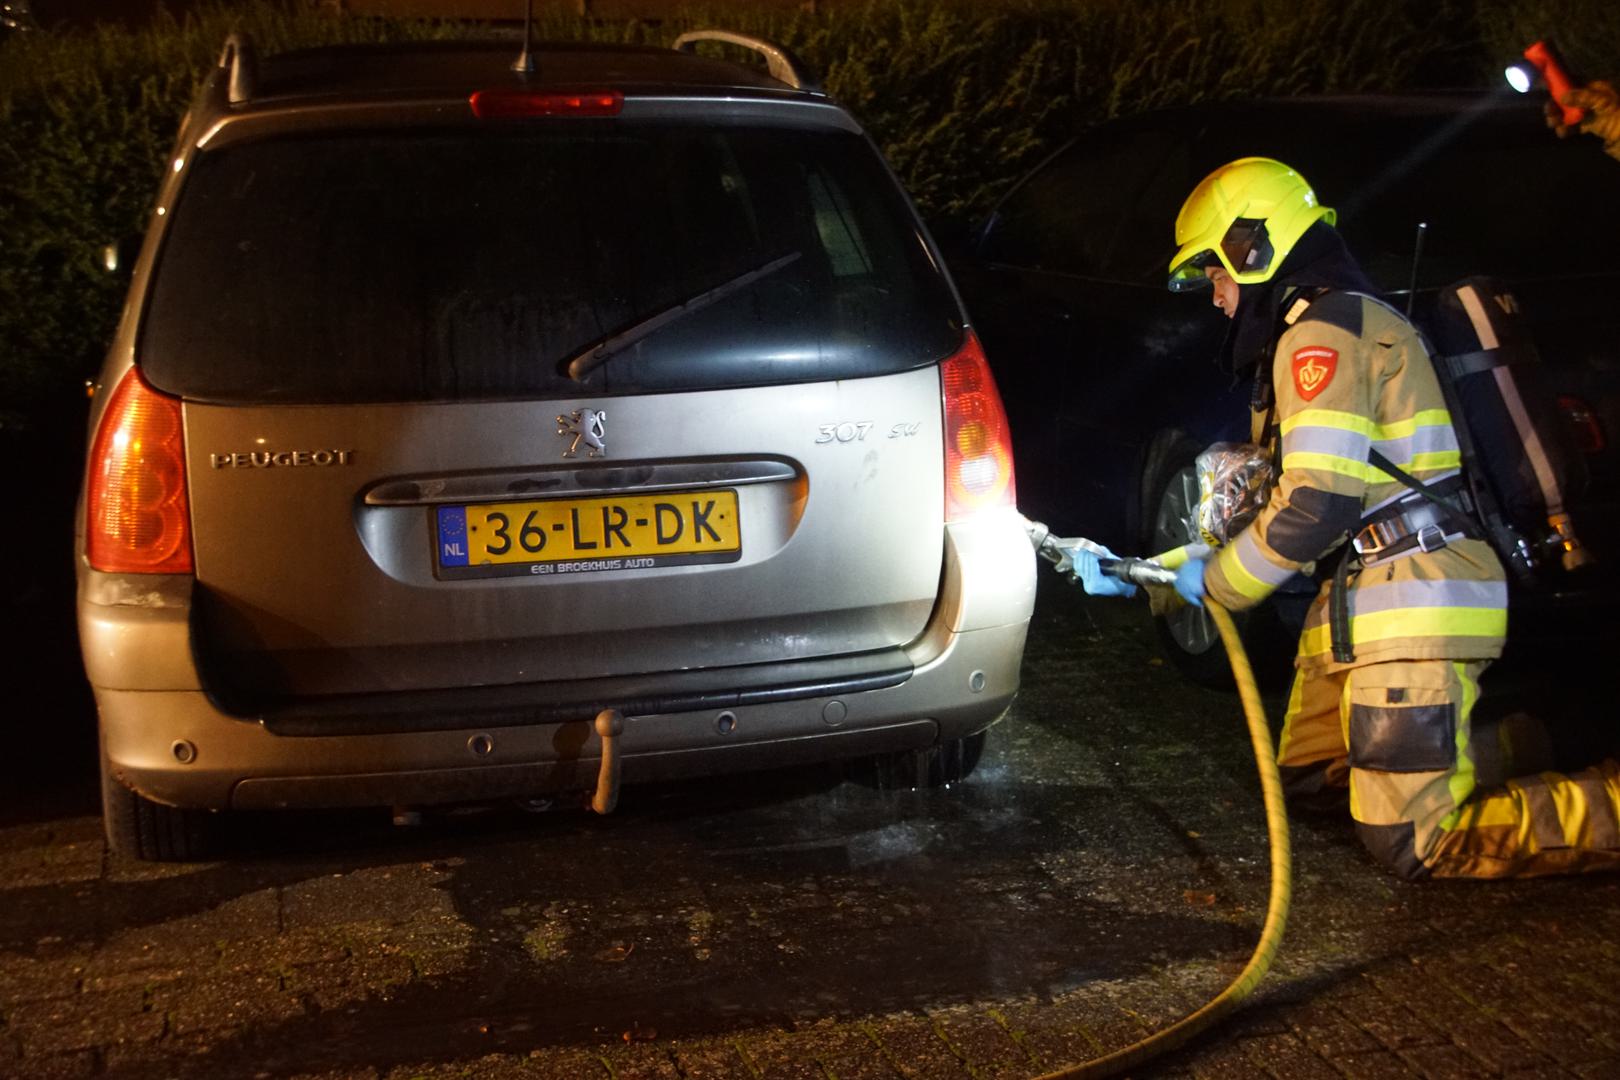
468, 264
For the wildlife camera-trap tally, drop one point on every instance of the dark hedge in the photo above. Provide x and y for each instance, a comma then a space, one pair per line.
962, 97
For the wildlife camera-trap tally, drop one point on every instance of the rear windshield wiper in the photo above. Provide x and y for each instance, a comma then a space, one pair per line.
594, 357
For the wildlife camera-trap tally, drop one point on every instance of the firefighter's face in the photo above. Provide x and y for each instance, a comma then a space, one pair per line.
1225, 290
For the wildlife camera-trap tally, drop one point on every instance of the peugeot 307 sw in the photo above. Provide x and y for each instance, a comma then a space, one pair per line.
474, 433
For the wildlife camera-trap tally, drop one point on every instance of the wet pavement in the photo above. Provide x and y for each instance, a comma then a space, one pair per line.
1102, 873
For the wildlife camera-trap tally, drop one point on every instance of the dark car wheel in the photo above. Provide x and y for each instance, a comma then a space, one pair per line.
936, 766
1187, 635
139, 828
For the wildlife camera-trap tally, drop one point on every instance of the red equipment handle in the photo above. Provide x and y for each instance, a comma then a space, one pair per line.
1557, 79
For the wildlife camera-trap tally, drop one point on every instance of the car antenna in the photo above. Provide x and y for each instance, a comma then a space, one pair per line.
1417, 253
524, 64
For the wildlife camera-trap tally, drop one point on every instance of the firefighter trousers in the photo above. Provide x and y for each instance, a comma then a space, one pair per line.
1399, 736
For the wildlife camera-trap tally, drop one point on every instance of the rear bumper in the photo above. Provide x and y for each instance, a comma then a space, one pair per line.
242, 764
166, 738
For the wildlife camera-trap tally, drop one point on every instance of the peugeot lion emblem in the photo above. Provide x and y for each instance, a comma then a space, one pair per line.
586, 426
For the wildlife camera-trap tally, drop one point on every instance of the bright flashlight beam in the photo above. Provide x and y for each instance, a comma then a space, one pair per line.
1518, 78
1350, 207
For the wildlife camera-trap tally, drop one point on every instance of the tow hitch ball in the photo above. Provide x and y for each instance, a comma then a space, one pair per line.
609, 725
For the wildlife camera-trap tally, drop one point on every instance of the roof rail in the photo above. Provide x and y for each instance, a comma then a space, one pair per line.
782, 65
242, 59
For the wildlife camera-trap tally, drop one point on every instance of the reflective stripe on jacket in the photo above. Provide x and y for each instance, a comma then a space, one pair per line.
1349, 376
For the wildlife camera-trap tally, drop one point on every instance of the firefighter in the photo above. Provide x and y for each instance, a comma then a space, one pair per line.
1381, 705
1602, 119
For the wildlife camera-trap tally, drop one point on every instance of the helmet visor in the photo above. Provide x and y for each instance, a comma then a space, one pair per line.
1244, 250
1188, 275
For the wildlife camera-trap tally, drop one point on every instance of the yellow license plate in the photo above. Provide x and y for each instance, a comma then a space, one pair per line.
568, 536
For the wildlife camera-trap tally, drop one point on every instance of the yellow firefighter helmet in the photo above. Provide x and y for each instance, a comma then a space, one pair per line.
1246, 216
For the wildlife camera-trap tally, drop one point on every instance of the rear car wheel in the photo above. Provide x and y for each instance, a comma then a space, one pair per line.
936, 766
139, 828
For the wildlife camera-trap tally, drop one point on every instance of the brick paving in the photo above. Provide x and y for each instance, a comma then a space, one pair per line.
1100, 876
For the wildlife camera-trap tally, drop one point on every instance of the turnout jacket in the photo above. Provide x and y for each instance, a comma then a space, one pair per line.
1350, 375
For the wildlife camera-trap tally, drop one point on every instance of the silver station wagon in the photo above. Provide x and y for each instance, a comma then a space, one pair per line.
474, 433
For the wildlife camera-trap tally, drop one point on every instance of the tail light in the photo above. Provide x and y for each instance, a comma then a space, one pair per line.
1583, 421
137, 519
978, 442
520, 104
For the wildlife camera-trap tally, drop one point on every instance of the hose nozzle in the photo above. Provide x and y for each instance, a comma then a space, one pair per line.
1059, 550
1045, 543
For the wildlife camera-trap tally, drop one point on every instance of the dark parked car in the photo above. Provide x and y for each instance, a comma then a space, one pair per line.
1109, 378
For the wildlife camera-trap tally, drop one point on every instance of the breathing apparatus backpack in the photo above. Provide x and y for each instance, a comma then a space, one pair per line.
1518, 452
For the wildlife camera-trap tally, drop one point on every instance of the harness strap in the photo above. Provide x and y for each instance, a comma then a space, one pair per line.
1412, 521
1395, 530
1339, 609
1458, 515
1472, 363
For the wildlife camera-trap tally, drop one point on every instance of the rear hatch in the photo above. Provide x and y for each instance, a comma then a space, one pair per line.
396, 483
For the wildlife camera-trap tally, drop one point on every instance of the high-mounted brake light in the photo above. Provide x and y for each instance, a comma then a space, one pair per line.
978, 442
137, 517
518, 104
1584, 422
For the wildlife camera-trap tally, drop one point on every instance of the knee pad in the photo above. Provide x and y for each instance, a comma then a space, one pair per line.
1403, 717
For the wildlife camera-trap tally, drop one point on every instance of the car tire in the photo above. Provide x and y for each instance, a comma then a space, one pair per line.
1187, 636
948, 762
139, 828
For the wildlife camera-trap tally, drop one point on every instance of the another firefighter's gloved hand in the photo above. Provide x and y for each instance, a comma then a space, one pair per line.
1602, 105
1190, 582
1093, 580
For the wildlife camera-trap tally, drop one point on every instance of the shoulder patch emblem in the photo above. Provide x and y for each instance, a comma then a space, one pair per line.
1313, 369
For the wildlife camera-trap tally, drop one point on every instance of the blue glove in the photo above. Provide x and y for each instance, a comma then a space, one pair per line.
1190, 582
1093, 580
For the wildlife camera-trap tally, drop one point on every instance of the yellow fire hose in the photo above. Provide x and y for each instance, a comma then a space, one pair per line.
1183, 1030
